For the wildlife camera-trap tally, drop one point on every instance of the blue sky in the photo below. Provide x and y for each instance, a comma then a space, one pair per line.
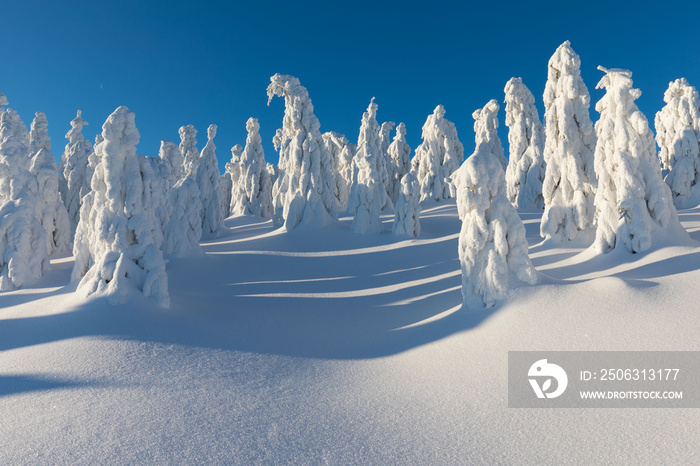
179, 62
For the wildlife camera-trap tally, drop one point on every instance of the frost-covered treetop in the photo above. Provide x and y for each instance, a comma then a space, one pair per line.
39, 134
211, 132
565, 62
287, 86
188, 148
76, 132
14, 139
486, 130
681, 113
3, 102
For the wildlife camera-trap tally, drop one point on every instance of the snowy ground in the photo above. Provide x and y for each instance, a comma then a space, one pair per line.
328, 347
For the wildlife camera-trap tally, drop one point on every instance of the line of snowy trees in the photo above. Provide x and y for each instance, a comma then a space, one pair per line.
124, 212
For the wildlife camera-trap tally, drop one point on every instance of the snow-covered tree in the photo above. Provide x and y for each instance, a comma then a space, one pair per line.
367, 193
50, 209
74, 175
407, 216
233, 168
156, 187
400, 162
678, 136
23, 243
171, 156
208, 183
188, 150
384, 162
632, 200
569, 182
255, 189
486, 130
184, 229
3, 102
225, 188
526, 167
115, 250
304, 191
341, 151
492, 242
438, 156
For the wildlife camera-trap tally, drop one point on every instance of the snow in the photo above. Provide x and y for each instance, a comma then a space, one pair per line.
188, 150
171, 156
184, 228
116, 247
437, 157
342, 152
254, 195
407, 216
486, 130
569, 182
526, 167
632, 201
400, 157
75, 177
678, 136
207, 178
323, 346
304, 192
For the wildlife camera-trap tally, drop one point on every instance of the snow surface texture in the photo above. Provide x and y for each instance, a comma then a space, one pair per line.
437, 157
51, 211
207, 178
486, 130
254, 195
407, 216
305, 190
342, 152
171, 156
74, 176
327, 347
23, 244
632, 201
184, 229
526, 167
678, 136
492, 242
569, 183
399, 154
188, 150
367, 193
115, 247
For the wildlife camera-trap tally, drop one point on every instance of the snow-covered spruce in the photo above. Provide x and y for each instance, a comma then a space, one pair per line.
526, 167
255, 189
492, 242
184, 229
115, 247
486, 130
23, 243
678, 136
342, 152
225, 188
632, 200
233, 168
367, 193
399, 154
407, 216
207, 179
156, 188
74, 175
51, 212
384, 162
188, 150
569, 182
438, 156
171, 156
3, 102
305, 189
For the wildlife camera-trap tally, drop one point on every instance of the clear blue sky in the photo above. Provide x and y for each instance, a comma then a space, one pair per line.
181, 62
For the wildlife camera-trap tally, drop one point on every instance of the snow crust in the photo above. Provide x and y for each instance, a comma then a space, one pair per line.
526, 167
